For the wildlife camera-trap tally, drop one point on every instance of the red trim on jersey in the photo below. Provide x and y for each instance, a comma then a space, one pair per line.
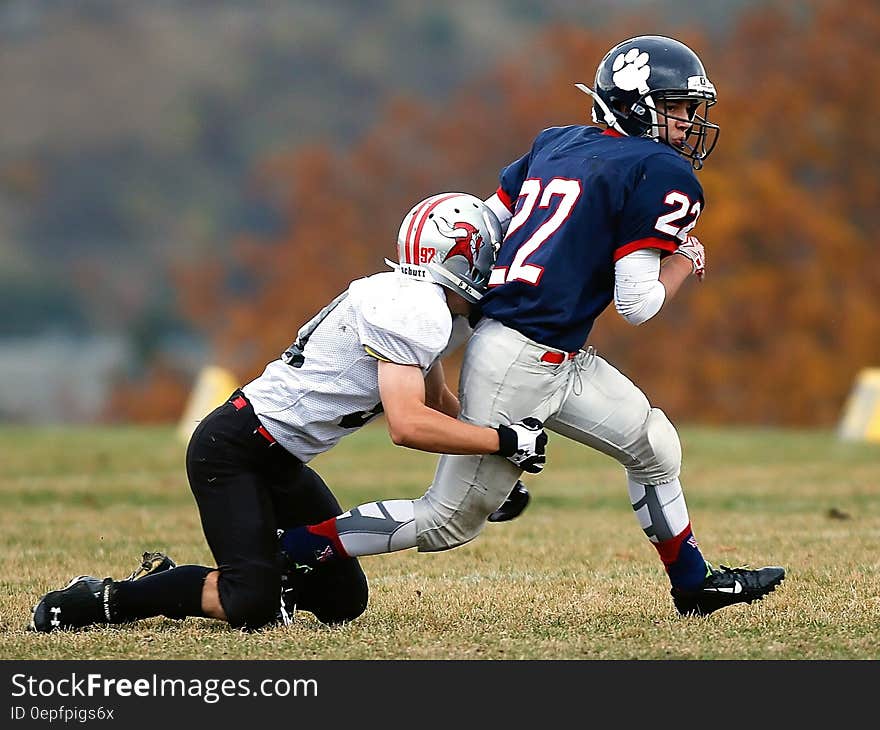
660, 243
416, 241
612, 133
504, 198
327, 529
669, 549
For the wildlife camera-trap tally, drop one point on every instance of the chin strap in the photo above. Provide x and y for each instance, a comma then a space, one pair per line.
438, 275
458, 285
696, 157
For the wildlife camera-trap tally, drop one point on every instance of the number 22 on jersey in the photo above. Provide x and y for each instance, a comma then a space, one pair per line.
519, 270
569, 191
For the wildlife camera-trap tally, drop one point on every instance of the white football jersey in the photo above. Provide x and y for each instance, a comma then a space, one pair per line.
327, 385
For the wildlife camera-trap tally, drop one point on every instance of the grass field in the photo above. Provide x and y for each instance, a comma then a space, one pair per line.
573, 578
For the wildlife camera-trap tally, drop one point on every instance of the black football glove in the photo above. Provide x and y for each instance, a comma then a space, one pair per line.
523, 443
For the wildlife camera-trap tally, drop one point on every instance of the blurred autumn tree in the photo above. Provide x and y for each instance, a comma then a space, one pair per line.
789, 310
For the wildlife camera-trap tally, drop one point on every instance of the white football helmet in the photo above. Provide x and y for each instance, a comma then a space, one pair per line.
451, 239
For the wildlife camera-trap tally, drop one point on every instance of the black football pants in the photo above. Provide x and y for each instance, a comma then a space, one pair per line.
246, 486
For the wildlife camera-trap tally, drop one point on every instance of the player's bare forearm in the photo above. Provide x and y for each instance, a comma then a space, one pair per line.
414, 424
673, 271
428, 430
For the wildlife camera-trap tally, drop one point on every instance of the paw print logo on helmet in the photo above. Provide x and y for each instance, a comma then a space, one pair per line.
631, 70
450, 239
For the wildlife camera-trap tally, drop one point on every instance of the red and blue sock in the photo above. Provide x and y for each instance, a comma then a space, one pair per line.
683, 560
312, 545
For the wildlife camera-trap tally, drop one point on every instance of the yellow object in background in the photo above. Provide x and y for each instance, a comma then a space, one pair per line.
213, 385
861, 414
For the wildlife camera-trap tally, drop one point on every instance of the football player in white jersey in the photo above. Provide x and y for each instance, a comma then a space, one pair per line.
375, 348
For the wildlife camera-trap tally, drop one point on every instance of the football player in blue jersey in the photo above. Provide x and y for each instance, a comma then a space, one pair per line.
593, 214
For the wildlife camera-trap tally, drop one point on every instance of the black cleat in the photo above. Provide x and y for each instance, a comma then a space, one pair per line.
152, 563
726, 586
513, 506
82, 602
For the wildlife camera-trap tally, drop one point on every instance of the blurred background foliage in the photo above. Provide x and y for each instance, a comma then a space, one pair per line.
195, 179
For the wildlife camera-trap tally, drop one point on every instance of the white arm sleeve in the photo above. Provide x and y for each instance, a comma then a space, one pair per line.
500, 210
638, 292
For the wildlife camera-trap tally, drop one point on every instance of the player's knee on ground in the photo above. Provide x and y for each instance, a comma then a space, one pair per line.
659, 454
335, 592
344, 598
250, 596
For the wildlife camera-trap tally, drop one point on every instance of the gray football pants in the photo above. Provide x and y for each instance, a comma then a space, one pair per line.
504, 380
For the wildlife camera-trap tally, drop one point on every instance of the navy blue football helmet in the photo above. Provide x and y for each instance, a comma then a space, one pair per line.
638, 75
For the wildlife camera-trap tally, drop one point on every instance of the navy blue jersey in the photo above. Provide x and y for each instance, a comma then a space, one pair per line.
581, 199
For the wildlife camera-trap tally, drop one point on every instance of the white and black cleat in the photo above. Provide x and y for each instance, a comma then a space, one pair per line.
84, 601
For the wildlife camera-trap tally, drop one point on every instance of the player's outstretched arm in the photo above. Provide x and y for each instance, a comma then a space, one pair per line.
413, 424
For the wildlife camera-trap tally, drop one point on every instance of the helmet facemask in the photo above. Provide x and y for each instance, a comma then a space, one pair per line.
648, 113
